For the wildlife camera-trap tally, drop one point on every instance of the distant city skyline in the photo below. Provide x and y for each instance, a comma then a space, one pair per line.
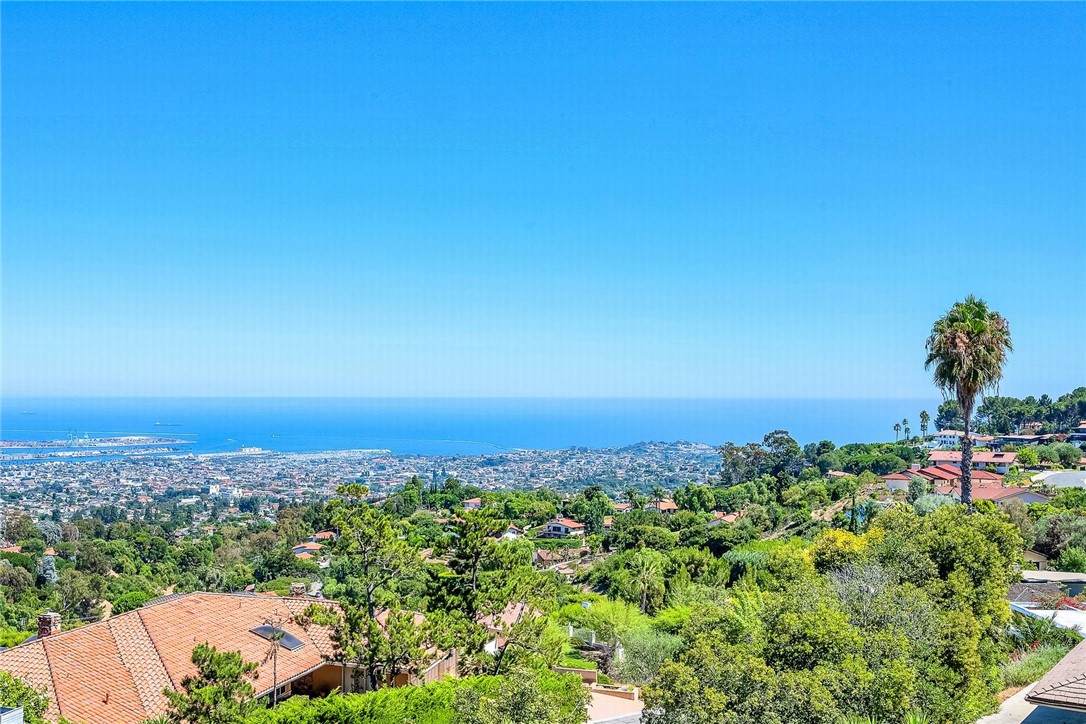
538, 200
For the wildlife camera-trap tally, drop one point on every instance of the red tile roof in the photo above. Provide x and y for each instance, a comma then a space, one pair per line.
939, 472
114, 671
982, 457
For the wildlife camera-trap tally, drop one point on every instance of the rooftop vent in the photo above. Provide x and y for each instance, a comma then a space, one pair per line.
286, 640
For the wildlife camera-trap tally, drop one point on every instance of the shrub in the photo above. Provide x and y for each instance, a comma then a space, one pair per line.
130, 601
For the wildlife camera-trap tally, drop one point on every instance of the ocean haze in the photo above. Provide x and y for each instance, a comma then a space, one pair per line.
453, 425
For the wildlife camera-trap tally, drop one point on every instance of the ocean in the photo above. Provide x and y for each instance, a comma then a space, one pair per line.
450, 426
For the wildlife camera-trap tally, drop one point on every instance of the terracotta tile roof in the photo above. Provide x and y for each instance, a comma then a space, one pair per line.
139, 656
939, 472
982, 457
90, 679
506, 618
114, 671
30, 663
567, 523
1065, 685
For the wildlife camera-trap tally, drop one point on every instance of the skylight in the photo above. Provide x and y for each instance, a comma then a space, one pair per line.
286, 640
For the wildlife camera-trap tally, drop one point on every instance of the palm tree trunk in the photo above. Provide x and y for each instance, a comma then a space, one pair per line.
967, 469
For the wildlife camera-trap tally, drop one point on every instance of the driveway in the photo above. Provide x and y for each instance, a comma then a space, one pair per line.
1017, 710
613, 710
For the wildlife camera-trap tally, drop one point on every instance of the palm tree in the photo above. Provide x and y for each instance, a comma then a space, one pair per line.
907, 431
658, 494
925, 418
967, 349
905, 427
646, 575
897, 430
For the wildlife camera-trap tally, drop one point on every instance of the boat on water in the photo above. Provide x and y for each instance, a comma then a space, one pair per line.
167, 424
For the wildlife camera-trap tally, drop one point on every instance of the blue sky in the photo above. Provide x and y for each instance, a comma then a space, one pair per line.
711, 200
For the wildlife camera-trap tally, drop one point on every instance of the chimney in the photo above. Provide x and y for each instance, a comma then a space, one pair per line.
297, 588
48, 624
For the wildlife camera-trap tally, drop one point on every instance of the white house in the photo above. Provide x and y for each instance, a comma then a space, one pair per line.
948, 438
473, 504
667, 507
563, 527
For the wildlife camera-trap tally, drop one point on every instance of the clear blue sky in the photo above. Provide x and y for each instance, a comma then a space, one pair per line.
536, 200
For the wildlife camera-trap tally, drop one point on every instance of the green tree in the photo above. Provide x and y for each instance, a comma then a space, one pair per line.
219, 693
1027, 457
372, 553
1072, 559
646, 579
15, 693
967, 349
525, 696
474, 541
925, 418
949, 416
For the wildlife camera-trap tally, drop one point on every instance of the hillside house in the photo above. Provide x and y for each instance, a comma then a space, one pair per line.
1002, 461
667, 507
948, 438
114, 671
563, 528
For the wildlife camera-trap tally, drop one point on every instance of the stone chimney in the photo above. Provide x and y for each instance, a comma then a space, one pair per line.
48, 624
298, 588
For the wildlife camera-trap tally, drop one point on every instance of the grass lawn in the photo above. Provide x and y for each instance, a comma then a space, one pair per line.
1032, 665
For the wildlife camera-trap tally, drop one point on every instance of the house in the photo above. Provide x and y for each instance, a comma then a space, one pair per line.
938, 474
981, 459
1078, 435
499, 623
720, 517
622, 507
667, 507
1038, 561
948, 438
544, 558
473, 504
563, 527
899, 481
312, 549
323, 536
114, 671
511, 533
996, 492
